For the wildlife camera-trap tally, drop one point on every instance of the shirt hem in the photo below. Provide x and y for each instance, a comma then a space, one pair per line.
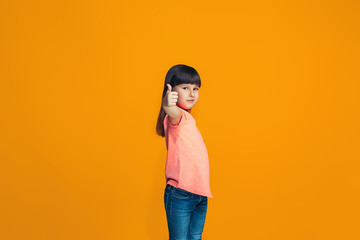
175, 184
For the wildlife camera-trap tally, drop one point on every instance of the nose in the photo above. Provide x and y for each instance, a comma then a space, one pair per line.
192, 93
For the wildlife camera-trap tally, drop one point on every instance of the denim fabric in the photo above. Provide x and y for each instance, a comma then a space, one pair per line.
185, 212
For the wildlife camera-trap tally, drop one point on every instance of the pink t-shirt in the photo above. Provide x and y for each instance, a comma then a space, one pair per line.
187, 163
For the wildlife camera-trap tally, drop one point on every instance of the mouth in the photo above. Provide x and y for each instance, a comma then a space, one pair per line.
190, 101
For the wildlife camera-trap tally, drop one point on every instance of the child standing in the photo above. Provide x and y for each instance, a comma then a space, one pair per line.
187, 164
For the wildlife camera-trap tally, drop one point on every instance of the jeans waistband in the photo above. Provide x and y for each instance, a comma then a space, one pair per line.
171, 187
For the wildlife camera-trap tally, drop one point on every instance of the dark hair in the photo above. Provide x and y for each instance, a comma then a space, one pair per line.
178, 74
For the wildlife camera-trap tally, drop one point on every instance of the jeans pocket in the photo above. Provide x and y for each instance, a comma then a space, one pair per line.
181, 193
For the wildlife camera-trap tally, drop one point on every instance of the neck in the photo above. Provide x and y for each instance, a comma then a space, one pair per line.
188, 110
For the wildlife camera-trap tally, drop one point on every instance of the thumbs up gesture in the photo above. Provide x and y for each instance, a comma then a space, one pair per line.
170, 98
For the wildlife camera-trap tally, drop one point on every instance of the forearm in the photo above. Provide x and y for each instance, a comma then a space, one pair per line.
172, 111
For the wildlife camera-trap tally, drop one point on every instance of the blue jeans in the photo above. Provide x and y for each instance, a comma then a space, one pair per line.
185, 213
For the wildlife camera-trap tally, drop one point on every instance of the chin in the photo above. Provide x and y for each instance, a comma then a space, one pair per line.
184, 107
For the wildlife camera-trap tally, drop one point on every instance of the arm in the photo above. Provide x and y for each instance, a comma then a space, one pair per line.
169, 106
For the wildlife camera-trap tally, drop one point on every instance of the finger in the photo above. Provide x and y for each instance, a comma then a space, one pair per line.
173, 98
169, 87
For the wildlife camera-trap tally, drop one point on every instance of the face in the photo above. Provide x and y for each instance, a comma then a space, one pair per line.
188, 95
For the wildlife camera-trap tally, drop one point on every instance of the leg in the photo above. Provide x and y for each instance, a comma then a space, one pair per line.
198, 219
179, 207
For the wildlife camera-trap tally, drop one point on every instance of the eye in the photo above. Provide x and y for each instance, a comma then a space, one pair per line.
196, 89
184, 88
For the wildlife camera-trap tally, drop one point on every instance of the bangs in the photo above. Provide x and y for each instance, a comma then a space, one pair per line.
186, 75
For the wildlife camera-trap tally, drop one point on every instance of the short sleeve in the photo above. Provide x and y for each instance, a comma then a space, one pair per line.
181, 121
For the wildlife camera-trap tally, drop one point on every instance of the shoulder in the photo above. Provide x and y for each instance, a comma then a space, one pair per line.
183, 117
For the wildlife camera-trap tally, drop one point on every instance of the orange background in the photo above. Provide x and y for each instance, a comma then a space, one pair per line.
81, 85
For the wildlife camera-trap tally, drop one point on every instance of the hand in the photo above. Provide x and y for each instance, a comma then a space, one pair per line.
170, 98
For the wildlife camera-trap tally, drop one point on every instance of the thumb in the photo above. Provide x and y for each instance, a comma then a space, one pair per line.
169, 87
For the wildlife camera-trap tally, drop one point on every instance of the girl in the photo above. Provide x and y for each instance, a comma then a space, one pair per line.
187, 164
